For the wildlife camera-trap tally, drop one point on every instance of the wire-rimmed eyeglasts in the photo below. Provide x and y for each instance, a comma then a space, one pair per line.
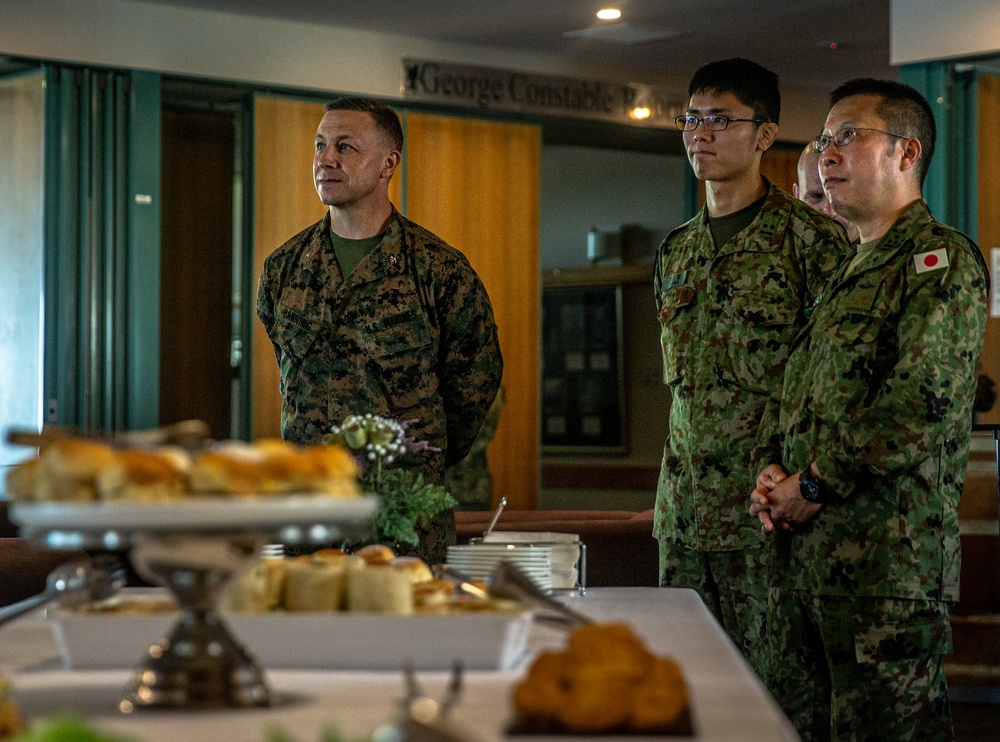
845, 136
712, 122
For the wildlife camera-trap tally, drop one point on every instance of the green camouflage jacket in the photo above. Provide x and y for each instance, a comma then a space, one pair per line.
727, 319
410, 336
878, 390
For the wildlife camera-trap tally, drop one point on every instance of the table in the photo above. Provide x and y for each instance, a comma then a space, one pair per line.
729, 702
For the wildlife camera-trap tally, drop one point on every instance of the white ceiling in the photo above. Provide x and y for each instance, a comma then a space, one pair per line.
791, 37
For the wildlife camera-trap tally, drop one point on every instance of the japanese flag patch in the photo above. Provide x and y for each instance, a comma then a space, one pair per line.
930, 261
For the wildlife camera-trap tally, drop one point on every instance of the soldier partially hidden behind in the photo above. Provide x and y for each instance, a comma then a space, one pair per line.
369, 312
733, 287
865, 456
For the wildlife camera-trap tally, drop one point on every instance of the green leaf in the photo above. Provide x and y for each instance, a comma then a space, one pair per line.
407, 501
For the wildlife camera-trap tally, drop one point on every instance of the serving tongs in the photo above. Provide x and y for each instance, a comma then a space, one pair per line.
510, 582
189, 434
73, 583
425, 719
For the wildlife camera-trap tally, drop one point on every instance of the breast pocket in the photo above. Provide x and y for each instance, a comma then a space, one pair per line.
295, 334
759, 328
676, 327
405, 356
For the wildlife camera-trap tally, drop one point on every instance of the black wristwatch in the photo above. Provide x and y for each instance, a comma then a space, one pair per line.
811, 489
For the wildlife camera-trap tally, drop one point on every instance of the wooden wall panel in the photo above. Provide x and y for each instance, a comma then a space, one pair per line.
285, 202
779, 165
989, 215
476, 185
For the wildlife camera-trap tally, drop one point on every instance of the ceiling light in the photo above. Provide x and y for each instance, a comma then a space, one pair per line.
641, 112
609, 14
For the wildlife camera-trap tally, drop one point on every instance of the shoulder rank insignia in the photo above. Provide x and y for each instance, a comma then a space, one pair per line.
930, 261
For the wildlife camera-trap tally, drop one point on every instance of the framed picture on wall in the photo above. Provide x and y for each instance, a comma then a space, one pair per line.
583, 399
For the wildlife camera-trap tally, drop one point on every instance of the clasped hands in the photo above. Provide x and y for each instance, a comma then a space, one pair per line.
777, 503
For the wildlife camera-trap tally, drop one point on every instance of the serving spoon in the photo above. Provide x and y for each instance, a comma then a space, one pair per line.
496, 517
72, 583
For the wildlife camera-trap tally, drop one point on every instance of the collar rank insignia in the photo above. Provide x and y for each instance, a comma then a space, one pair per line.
930, 261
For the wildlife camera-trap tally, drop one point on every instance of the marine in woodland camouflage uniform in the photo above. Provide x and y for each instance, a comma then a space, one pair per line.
728, 314
470, 481
878, 392
408, 335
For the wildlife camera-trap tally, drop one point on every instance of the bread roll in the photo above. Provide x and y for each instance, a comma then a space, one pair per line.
329, 554
68, 469
261, 589
315, 584
143, 476
415, 567
432, 596
229, 469
335, 471
328, 470
379, 588
376, 554
22, 481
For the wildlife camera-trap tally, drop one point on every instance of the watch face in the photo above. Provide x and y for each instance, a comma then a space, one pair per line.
810, 489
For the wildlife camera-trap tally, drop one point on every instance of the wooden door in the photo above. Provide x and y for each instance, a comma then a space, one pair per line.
196, 271
476, 185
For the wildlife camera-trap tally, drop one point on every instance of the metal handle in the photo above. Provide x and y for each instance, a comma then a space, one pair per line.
12, 611
496, 517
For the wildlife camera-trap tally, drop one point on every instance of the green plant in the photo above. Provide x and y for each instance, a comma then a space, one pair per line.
407, 501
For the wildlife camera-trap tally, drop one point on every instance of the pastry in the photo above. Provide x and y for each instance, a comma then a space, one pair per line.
379, 588
260, 590
315, 584
605, 682
68, 469
144, 476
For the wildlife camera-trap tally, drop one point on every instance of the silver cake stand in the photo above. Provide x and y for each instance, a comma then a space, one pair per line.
194, 548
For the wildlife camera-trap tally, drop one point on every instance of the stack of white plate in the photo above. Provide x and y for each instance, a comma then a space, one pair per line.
479, 560
566, 553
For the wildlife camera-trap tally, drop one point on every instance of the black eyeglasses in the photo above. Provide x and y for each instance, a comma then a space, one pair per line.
845, 136
712, 122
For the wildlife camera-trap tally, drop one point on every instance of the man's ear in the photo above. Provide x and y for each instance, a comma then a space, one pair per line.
795, 190
766, 136
391, 162
911, 154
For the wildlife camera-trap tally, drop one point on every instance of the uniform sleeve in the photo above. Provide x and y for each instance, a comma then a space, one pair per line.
926, 396
471, 363
265, 306
824, 248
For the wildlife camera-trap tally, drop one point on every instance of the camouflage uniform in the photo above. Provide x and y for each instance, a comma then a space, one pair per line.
878, 391
469, 481
409, 335
727, 318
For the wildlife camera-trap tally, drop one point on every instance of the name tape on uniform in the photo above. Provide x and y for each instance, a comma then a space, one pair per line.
930, 261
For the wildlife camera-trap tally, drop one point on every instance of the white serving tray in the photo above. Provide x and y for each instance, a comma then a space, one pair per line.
328, 641
237, 512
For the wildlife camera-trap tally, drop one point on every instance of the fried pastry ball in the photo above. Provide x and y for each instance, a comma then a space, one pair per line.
660, 698
605, 682
540, 695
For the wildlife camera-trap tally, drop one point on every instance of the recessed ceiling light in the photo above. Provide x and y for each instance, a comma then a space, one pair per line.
609, 14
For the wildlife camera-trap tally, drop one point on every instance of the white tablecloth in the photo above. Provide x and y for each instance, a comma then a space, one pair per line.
729, 702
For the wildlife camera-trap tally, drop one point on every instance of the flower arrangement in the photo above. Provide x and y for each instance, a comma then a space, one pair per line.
407, 501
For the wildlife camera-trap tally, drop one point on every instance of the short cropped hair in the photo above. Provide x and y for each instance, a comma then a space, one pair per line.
754, 85
385, 118
904, 110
